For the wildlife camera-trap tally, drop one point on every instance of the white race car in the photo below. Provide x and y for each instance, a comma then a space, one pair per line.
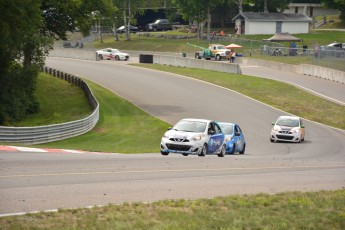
111, 54
194, 136
288, 128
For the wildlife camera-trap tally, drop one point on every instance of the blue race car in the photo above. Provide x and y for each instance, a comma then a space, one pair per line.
234, 138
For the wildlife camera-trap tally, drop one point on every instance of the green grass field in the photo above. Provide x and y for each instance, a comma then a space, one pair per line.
291, 210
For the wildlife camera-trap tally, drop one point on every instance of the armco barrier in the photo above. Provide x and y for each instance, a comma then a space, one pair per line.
49, 133
197, 64
305, 69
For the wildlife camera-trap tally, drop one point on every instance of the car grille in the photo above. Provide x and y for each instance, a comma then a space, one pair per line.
178, 147
285, 132
283, 137
227, 53
179, 139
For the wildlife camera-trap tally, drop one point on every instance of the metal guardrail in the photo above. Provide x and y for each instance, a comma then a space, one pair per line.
49, 133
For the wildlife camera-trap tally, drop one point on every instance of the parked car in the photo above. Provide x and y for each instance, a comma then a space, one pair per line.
334, 49
132, 29
288, 128
159, 24
110, 53
234, 138
194, 136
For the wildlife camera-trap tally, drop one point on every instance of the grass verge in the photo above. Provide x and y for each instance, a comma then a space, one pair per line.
59, 101
277, 94
122, 128
290, 210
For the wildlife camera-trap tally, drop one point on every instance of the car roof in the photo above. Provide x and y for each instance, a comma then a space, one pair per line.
225, 123
196, 119
288, 117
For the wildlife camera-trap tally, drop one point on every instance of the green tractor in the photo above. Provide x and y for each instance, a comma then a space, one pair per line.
203, 53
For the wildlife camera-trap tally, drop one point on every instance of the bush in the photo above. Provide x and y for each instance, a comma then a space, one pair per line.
17, 97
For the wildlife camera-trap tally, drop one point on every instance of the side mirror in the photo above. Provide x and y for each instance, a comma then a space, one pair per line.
237, 134
169, 128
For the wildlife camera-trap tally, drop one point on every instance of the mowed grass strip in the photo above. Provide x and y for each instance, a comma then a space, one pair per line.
277, 94
290, 210
59, 101
122, 128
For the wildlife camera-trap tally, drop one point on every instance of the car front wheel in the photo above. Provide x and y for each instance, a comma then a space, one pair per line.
218, 58
100, 56
222, 152
203, 151
233, 149
165, 153
243, 149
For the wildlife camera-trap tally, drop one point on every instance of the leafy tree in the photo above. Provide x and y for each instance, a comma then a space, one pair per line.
28, 29
336, 4
199, 11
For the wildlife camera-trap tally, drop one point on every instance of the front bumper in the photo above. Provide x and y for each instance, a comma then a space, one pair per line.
286, 137
193, 148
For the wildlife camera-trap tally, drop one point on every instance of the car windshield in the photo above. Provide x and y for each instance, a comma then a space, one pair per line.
221, 47
227, 129
191, 126
116, 51
290, 122
157, 21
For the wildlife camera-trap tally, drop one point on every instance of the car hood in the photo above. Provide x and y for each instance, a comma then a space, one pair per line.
180, 134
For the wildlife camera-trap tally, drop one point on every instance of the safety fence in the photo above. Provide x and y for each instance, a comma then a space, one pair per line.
55, 132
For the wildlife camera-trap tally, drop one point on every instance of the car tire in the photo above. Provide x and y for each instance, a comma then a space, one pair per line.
222, 152
233, 150
243, 149
155, 29
203, 151
117, 58
185, 154
271, 140
218, 58
164, 153
197, 56
100, 56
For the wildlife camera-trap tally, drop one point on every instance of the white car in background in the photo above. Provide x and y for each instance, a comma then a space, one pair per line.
111, 54
195, 137
288, 128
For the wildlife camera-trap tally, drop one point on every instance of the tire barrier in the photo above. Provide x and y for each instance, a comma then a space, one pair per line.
56, 132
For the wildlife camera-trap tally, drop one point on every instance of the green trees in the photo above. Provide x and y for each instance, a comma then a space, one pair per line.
336, 4
28, 29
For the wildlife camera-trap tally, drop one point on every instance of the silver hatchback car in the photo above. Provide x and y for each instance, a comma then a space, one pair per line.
194, 136
288, 128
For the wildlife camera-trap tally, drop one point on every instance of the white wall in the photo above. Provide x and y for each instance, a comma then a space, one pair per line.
260, 27
270, 27
317, 11
295, 27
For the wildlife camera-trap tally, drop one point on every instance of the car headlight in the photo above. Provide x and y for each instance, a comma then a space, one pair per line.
276, 128
197, 137
296, 130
